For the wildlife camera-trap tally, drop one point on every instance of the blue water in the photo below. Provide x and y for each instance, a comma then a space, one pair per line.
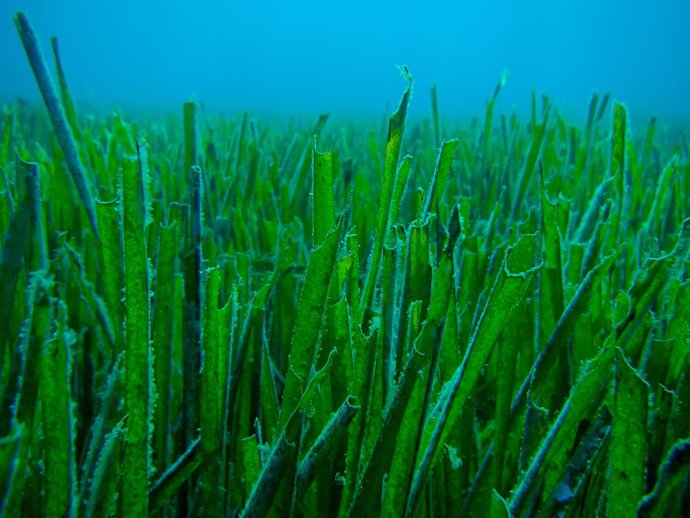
340, 56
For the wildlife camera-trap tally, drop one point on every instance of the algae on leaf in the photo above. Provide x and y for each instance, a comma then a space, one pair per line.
136, 338
628, 451
396, 128
307, 325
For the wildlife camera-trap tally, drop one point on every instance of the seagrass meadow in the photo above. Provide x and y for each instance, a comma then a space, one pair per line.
206, 315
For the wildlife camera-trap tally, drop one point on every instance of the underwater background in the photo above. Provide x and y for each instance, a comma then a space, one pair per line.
344, 259
316, 56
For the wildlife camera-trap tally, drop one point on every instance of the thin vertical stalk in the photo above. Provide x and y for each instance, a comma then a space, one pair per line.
57, 115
